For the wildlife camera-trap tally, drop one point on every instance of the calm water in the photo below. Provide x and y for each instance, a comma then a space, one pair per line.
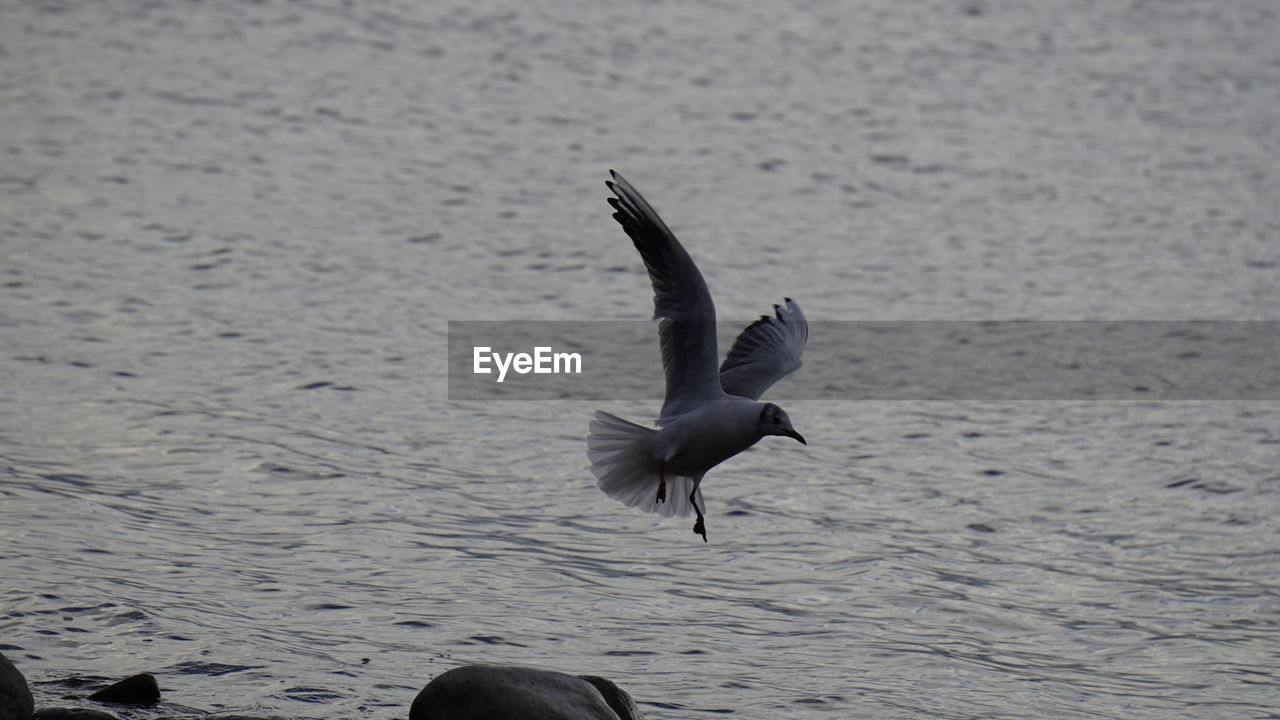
233, 235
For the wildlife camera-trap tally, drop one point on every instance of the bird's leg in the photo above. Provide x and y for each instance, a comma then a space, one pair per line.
699, 527
662, 483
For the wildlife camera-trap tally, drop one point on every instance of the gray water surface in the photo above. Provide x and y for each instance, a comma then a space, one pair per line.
233, 234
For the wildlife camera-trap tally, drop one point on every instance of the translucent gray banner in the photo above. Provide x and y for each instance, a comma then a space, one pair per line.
928, 360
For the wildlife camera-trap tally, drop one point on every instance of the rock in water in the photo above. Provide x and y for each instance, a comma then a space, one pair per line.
15, 696
482, 692
141, 689
617, 698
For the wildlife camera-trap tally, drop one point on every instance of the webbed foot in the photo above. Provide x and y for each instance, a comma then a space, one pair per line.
699, 527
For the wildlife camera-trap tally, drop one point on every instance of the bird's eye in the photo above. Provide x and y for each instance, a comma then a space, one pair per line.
777, 420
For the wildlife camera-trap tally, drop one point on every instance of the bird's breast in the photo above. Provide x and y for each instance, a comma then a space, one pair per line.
695, 443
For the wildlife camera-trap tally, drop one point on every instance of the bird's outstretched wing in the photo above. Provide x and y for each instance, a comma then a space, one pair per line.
680, 300
765, 352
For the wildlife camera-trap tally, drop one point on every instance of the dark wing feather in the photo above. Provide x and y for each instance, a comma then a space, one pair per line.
680, 299
765, 352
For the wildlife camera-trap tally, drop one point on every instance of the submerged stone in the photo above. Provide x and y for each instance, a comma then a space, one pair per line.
15, 695
140, 689
479, 692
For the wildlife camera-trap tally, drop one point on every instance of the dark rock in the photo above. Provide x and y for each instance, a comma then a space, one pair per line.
478, 692
57, 713
617, 698
238, 717
15, 696
141, 689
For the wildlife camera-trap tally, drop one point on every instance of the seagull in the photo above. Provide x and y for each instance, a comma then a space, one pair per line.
709, 415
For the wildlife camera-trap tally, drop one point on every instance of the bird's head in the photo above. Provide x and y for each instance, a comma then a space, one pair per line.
774, 421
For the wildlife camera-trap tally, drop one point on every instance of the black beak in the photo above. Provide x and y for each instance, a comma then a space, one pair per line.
797, 436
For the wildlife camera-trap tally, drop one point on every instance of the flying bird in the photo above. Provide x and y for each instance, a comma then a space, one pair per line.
708, 415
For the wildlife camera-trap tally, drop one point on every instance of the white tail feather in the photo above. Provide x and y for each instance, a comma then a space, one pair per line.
621, 454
